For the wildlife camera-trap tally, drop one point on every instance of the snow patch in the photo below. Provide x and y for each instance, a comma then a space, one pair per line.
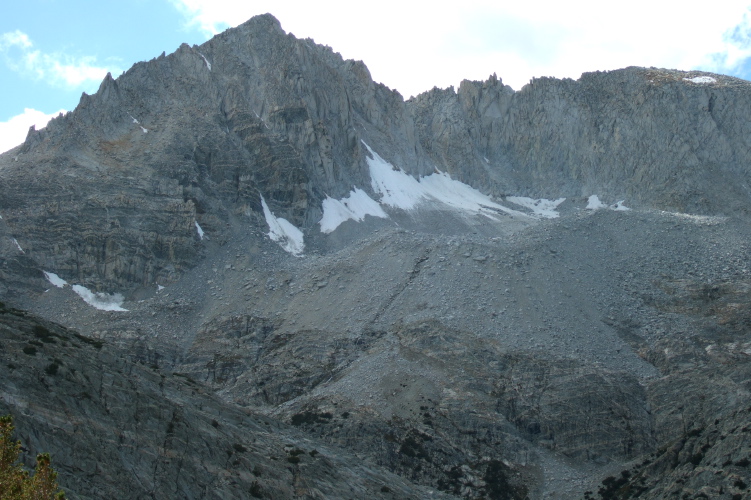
283, 232
355, 206
55, 279
262, 120
594, 203
144, 130
101, 301
18, 246
159, 288
705, 220
701, 79
208, 64
540, 207
398, 189
619, 206
198, 228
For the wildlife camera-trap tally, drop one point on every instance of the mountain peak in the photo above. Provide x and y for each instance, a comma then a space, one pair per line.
262, 22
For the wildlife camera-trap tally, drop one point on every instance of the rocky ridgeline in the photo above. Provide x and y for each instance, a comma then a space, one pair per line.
654, 137
203, 133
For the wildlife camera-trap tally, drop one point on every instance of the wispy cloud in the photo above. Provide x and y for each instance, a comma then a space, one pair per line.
734, 56
212, 19
55, 68
15, 38
13, 132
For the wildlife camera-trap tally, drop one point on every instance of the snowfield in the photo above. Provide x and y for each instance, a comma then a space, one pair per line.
283, 232
701, 79
397, 188
354, 207
55, 279
400, 190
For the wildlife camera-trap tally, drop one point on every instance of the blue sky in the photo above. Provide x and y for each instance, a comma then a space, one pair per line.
53, 50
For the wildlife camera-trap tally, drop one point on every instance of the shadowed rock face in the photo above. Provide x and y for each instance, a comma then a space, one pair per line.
474, 354
118, 429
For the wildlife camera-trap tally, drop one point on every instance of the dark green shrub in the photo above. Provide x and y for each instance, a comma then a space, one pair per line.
311, 417
44, 334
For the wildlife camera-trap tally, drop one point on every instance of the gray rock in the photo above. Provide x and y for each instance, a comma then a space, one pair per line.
431, 353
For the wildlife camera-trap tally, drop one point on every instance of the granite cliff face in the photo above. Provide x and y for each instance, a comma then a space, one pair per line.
658, 138
441, 329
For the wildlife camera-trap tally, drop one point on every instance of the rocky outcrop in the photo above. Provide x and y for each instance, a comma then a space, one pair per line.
658, 138
116, 429
710, 461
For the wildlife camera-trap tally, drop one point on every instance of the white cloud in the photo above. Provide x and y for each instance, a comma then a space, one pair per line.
55, 68
412, 48
13, 132
735, 49
14, 38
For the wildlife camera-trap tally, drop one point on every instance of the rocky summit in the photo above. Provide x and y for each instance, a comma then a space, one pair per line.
246, 270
